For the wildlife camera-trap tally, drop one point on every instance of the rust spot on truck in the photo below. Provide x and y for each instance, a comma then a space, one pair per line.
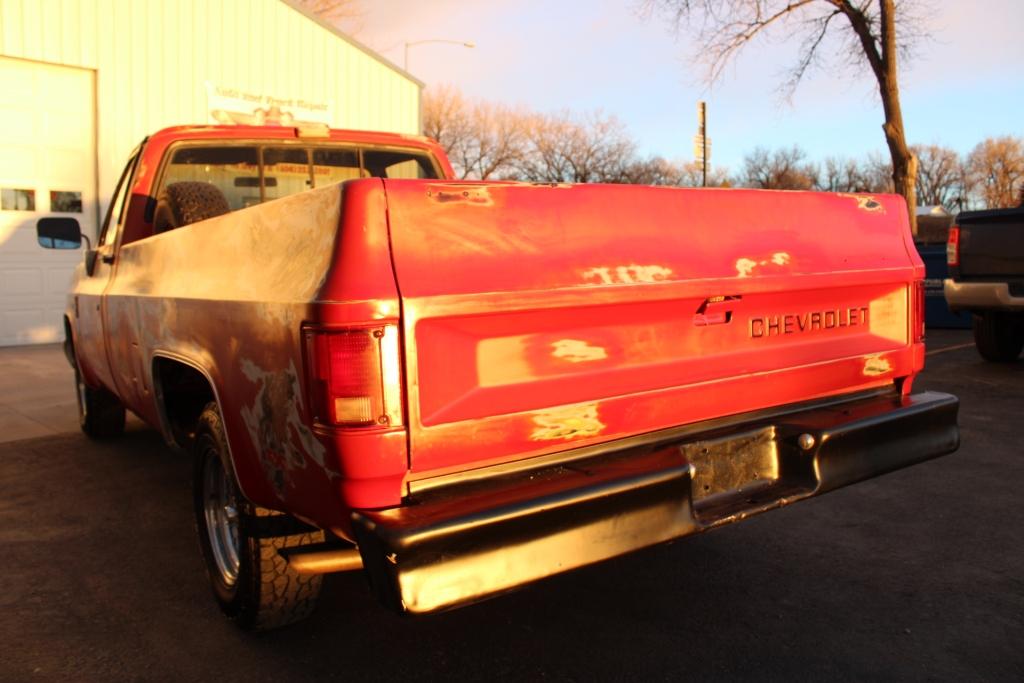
567, 423
865, 202
477, 196
279, 435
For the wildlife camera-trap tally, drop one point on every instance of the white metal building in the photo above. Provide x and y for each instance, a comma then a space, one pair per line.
85, 80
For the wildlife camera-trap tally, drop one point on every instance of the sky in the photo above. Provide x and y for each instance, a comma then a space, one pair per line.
965, 83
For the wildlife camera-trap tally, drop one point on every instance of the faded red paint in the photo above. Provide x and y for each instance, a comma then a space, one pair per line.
535, 318
624, 271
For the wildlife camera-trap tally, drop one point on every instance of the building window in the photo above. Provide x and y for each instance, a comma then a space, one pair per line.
12, 199
65, 201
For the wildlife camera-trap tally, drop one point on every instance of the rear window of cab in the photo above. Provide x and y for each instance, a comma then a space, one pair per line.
250, 174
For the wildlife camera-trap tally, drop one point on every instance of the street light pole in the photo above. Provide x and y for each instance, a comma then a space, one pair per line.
405, 63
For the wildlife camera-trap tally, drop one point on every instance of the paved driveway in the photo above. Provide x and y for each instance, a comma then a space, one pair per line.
915, 575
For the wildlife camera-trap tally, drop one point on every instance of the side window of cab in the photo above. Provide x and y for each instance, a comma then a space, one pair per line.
115, 212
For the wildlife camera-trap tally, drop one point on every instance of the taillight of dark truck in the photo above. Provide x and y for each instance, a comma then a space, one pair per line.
354, 376
953, 246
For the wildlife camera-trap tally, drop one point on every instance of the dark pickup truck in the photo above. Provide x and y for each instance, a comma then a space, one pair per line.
985, 254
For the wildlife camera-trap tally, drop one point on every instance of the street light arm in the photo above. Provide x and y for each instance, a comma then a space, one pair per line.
408, 44
464, 43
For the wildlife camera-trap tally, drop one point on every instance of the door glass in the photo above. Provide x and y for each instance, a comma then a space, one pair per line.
113, 217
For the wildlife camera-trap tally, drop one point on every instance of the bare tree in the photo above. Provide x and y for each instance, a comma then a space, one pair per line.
725, 27
654, 170
878, 171
996, 168
446, 118
692, 175
939, 176
657, 170
497, 143
783, 169
485, 140
482, 140
345, 14
562, 148
838, 174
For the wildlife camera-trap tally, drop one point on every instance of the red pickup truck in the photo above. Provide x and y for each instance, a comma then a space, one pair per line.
463, 387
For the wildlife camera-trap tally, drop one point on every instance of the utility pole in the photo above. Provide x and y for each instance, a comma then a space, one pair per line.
701, 143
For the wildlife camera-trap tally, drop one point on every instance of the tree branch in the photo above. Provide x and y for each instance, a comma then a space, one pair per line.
730, 37
810, 50
868, 41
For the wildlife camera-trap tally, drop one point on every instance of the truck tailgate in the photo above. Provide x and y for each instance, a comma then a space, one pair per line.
539, 318
992, 245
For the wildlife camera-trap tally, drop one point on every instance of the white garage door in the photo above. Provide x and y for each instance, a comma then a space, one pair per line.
47, 168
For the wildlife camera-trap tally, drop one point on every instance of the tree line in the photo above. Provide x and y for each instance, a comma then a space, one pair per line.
488, 141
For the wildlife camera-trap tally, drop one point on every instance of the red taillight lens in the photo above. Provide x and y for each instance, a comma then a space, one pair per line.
355, 377
953, 247
919, 306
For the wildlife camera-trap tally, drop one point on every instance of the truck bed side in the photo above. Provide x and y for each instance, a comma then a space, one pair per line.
228, 296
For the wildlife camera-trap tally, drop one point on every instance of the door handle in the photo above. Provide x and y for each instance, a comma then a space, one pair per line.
716, 310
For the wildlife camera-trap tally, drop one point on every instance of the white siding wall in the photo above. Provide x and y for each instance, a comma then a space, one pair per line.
153, 57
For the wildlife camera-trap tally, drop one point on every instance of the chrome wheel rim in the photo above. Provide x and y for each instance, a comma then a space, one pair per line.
80, 394
220, 510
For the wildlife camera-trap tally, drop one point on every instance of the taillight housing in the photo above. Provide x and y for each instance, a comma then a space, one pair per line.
355, 376
919, 308
953, 246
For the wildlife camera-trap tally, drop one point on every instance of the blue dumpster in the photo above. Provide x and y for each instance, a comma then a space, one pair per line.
936, 312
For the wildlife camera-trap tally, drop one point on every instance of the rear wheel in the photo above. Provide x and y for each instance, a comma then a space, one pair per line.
100, 413
251, 581
999, 336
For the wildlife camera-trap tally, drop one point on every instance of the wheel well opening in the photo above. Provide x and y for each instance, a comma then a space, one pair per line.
183, 392
69, 343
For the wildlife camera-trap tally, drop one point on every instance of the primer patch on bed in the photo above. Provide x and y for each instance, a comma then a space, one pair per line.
626, 275
567, 423
745, 267
577, 351
875, 365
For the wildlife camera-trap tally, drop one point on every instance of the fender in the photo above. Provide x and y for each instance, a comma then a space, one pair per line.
165, 424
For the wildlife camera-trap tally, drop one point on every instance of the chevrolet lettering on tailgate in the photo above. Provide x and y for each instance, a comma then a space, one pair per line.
775, 325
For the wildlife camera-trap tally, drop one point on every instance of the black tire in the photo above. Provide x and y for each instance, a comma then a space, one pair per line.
999, 336
261, 592
100, 413
184, 203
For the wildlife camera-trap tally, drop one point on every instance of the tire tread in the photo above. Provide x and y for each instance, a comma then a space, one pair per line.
268, 593
998, 336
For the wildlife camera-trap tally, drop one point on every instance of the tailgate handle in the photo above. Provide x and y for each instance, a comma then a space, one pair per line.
715, 310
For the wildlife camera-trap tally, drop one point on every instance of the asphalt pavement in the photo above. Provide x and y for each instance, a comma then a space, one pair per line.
915, 575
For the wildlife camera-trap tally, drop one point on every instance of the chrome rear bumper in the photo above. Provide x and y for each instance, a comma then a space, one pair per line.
469, 540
